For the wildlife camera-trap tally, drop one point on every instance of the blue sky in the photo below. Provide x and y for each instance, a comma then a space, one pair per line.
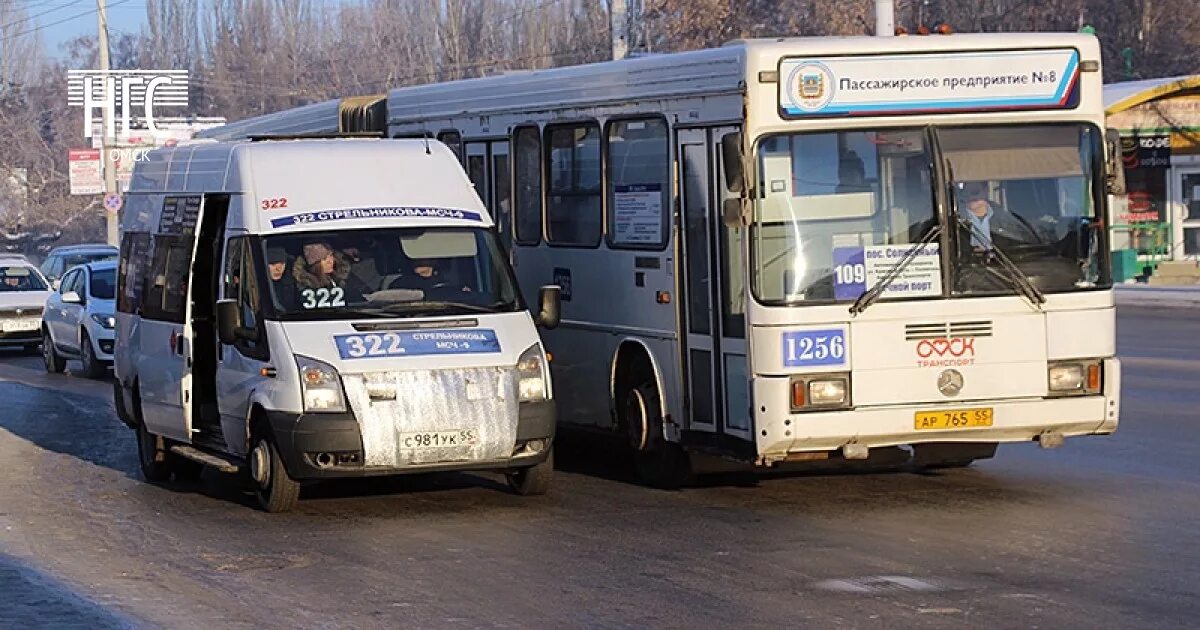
60, 21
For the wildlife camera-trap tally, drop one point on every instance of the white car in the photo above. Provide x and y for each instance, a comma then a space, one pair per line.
23, 292
78, 322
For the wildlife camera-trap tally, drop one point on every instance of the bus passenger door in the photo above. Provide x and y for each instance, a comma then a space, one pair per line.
713, 282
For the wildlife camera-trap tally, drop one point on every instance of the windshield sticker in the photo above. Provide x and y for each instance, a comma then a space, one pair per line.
929, 82
637, 214
421, 343
856, 269
375, 213
805, 348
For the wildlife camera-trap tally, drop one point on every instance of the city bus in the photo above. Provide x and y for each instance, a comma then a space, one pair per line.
802, 249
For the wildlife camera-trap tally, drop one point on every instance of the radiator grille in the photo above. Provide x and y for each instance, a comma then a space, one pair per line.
948, 330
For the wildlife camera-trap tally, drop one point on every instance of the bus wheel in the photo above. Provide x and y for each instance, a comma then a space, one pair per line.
152, 456
534, 480
276, 491
658, 462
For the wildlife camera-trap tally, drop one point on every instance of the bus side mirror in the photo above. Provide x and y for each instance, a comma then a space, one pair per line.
1114, 176
731, 161
227, 321
549, 306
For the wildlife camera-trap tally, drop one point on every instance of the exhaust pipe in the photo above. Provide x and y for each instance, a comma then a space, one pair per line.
325, 460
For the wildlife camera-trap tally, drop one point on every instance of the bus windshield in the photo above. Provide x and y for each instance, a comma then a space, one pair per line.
837, 211
389, 272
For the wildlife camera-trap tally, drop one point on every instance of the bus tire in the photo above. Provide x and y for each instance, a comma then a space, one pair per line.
534, 480
276, 491
658, 462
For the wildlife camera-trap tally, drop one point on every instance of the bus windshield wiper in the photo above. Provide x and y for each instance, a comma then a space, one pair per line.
871, 295
1008, 270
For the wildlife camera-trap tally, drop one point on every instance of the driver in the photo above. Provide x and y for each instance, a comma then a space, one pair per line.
990, 219
425, 275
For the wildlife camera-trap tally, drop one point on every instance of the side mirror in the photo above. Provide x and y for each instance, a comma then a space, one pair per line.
227, 321
1114, 176
731, 160
71, 297
549, 306
54, 283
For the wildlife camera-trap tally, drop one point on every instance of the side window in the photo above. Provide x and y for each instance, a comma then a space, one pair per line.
166, 284
241, 284
573, 215
131, 269
527, 165
232, 279
452, 139
639, 184
64, 285
733, 282
503, 200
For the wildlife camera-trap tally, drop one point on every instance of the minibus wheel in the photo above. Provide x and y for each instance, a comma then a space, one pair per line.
152, 456
276, 491
533, 480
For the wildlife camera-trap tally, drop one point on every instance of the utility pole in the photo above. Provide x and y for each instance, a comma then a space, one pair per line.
620, 29
106, 154
885, 18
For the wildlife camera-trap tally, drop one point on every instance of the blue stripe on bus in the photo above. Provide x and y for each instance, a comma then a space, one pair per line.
394, 212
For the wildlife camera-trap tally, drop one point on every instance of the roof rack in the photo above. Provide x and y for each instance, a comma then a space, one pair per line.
257, 137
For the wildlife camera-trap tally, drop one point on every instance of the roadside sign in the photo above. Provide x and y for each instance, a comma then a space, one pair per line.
113, 202
84, 171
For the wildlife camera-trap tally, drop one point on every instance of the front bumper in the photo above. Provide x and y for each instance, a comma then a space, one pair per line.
1014, 420
20, 338
300, 437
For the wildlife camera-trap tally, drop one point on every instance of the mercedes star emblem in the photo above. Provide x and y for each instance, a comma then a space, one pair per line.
950, 382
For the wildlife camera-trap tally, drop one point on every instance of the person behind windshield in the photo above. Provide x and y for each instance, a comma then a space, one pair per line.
17, 283
424, 275
283, 284
320, 267
990, 220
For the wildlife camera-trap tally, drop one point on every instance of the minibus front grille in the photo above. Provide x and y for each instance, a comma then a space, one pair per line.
948, 330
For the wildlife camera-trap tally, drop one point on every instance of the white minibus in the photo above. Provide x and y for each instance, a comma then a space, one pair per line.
306, 309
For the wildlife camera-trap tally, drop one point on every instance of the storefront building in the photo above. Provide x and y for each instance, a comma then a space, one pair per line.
1159, 120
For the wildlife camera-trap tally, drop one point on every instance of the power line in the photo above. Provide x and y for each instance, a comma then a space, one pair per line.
57, 22
37, 15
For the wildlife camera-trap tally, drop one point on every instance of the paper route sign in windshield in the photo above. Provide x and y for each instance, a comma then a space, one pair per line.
928, 83
416, 343
393, 212
856, 269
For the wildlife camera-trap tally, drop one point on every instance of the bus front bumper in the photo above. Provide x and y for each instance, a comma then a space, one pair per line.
1013, 420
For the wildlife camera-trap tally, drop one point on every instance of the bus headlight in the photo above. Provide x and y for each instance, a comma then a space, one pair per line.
321, 386
531, 371
820, 391
1066, 378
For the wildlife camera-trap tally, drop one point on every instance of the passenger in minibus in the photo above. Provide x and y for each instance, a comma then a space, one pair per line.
320, 267
283, 283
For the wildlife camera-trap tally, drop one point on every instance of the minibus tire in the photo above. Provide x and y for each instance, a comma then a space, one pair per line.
278, 492
149, 445
54, 363
92, 367
534, 480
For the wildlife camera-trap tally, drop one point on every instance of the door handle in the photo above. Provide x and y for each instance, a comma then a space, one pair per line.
179, 345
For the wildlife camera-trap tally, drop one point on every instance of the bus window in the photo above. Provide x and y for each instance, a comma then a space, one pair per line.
639, 184
527, 165
502, 193
452, 139
573, 214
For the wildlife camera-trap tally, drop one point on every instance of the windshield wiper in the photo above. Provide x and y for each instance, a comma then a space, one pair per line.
871, 295
1008, 269
438, 306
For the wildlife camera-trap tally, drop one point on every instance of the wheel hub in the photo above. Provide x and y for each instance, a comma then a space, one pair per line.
260, 465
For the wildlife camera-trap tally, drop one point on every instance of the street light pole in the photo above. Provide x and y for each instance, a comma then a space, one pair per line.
106, 154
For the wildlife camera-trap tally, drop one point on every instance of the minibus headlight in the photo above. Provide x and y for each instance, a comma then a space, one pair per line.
1074, 377
321, 386
532, 374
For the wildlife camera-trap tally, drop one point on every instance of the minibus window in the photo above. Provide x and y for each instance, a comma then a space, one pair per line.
388, 272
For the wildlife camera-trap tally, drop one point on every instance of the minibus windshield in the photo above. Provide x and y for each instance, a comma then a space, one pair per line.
388, 272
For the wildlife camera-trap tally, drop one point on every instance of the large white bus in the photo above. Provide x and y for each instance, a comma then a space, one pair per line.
798, 249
